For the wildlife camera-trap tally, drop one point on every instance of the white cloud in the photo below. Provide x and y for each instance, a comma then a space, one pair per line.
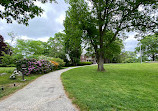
26, 37
130, 43
43, 39
60, 19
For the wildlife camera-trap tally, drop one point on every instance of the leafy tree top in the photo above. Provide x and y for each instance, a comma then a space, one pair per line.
149, 45
20, 10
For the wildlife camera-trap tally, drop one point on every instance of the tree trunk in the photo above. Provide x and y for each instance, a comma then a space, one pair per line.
153, 57
101, 40
101, 63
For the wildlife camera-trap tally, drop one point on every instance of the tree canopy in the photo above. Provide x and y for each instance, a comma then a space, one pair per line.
29, 47
73, 36
149, 46
56, 46
111, 17
20, 10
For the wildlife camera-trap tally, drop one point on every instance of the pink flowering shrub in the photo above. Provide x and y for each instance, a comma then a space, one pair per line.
33, 66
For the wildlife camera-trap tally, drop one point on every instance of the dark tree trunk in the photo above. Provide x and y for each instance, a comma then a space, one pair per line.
153, 57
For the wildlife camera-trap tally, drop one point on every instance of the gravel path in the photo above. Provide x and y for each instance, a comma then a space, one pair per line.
44, 94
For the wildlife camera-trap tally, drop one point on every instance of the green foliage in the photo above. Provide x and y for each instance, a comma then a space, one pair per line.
73, 45
58, 60
129, 57
56, 46
73, 34
130, 60
123, 87
114, 49
33, 57
7, 59
20, 10
16, 57
84, 63
149, 46
29, 47
111, 54
43, 57
33, 48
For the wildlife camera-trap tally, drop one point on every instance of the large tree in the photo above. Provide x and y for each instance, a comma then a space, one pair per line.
117, 16
149, 46
29, 47
73, 36
56, 46
20, 10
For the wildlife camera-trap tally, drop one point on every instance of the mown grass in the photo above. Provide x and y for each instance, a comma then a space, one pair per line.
123, 87
8, 84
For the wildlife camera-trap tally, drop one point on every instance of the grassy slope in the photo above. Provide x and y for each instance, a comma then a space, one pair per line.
9, 84
127, 87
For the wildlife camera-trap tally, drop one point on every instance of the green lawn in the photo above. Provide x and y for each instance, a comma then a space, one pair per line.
125, 87
8, 84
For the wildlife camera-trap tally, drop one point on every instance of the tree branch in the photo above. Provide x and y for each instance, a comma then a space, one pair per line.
121, 21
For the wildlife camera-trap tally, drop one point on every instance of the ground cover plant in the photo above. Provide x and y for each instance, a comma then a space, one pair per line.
126, 87
8, 84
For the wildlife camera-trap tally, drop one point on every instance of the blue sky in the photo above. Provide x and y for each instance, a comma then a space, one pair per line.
51, 22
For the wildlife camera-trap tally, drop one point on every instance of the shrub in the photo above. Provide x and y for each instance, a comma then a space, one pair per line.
11, 65
84, 63
58, 60
55, 64
43, 57
7, 59
68, 64
10, 60
33, 66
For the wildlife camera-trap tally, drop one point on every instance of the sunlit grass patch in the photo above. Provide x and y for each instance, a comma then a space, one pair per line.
130, 87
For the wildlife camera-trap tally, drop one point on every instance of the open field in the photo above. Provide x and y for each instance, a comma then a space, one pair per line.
8, 84
126, 87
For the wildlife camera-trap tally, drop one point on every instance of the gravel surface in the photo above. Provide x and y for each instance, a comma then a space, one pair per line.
44, 94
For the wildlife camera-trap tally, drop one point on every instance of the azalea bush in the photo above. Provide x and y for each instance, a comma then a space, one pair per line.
60, 62
33, 66
55, 64
57, 60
